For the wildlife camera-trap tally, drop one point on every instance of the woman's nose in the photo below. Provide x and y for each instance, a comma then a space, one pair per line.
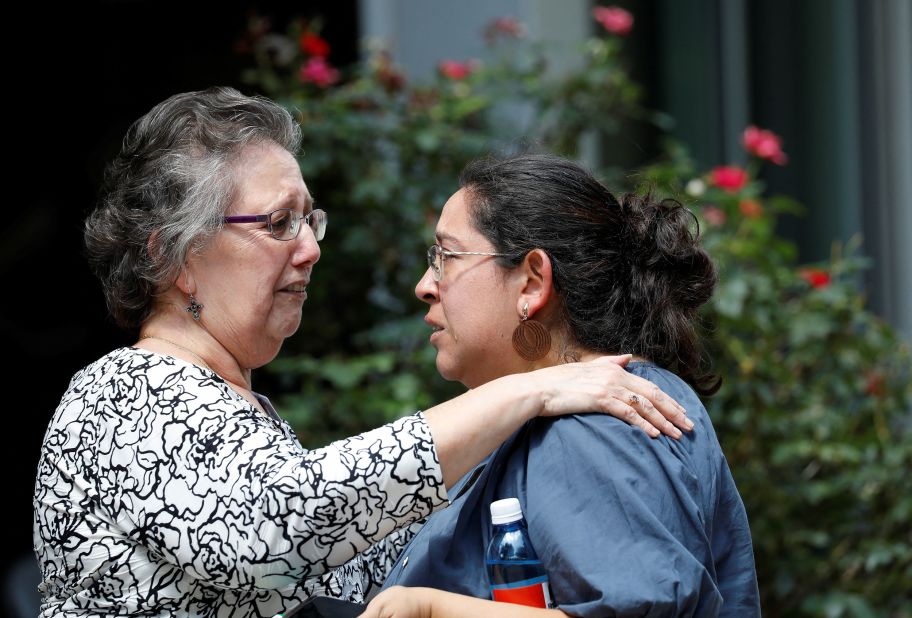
426, 290
307, 249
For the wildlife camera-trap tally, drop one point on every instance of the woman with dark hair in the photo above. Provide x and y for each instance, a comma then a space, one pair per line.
166, 485
537, 264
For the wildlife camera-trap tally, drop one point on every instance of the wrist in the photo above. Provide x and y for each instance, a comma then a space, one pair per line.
427, 601
530, 397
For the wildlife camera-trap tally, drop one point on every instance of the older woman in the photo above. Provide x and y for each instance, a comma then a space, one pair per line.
534, 245
166, 485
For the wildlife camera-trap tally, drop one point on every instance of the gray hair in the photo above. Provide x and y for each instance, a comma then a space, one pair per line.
167, 191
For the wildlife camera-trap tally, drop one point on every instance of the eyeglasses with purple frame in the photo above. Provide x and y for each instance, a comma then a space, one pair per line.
285, 223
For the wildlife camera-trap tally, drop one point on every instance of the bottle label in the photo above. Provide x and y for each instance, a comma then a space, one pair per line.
532, 592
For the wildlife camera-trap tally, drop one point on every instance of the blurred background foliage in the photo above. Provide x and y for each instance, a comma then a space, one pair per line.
814, 411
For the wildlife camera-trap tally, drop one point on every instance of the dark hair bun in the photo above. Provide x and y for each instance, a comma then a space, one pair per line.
665, 239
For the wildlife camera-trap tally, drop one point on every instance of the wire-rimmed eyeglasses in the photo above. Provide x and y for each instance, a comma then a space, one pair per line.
436, 257
285, 223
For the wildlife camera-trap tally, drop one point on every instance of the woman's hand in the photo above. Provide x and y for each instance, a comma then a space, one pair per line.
603, 385
467, 428
400, 602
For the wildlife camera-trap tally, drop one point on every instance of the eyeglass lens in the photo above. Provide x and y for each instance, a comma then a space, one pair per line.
285, 224
435, 261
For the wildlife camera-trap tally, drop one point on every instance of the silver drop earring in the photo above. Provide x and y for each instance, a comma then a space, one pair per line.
195, 308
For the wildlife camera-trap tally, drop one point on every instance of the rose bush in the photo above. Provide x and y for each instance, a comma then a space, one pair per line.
814, 409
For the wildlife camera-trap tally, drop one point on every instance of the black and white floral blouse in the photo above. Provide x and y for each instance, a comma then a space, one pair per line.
162, 492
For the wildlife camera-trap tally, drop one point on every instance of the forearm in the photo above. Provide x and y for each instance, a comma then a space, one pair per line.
466, 429
400, 602
450, 605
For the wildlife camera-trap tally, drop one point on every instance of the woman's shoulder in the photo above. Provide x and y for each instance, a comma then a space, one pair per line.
98, 375
670, 383
598, 450
130, 364
130, 379
600, 438
129, 360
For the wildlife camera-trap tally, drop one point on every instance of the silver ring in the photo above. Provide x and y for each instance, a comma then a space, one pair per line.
634, 399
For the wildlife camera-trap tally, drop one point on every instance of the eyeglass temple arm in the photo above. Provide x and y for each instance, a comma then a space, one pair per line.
246, 218
469, 253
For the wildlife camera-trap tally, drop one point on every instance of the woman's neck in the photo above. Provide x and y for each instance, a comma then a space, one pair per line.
170, 330
557, 357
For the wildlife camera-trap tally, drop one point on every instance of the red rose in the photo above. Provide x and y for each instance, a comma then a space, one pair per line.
764, 144
816, 277
614, 19
729, 177
318, 71
751, 209
456, 70
314, 45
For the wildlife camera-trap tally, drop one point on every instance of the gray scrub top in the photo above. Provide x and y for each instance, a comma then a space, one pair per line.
625, 525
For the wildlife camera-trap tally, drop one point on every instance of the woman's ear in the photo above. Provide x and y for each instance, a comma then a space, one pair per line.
185, 282
153, 248
537, 282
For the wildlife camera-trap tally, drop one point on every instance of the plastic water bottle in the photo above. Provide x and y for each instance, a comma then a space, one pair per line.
515, 573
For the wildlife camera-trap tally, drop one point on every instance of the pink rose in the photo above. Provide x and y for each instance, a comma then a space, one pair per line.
506, 27
317, 71
714, 215
614, 19
729, 177
456, 70
764, 144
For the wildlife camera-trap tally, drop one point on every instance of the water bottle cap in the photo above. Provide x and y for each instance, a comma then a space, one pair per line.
506, 511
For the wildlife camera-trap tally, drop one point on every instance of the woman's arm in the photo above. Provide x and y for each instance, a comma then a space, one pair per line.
373, 565
400, 602
217, 490
468, 428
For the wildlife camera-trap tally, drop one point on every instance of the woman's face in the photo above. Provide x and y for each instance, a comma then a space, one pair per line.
252, 286
473, 309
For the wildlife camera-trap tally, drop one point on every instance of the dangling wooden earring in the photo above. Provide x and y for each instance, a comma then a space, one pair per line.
531, 339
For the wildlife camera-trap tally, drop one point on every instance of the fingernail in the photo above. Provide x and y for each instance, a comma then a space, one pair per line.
677, 433
682, 409
689, 424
